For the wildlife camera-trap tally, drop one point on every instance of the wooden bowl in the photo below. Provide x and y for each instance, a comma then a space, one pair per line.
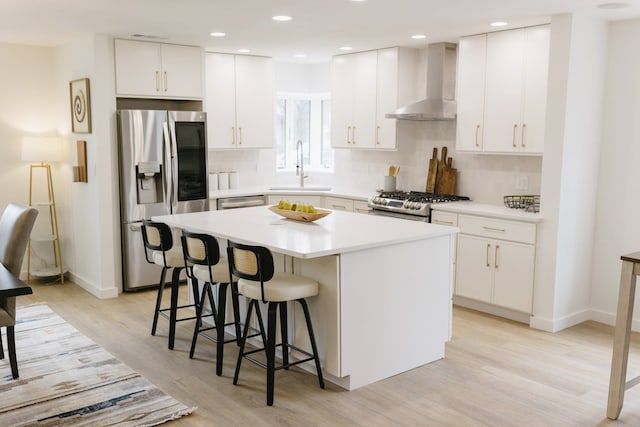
300, 216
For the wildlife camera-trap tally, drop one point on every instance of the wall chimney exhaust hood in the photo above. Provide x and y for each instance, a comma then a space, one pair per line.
441, 81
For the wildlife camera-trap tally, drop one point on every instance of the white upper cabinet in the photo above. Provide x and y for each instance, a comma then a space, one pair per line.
472, 52
156, 70
239, 101
506, 112
354, 100
365, 87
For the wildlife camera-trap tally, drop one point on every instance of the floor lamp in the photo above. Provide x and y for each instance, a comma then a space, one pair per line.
41, 151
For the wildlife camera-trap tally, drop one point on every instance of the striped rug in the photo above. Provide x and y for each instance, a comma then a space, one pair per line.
68, 380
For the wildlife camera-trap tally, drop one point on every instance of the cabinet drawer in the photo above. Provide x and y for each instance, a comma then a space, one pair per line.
498, 228
361, 207
338, 204
444, 218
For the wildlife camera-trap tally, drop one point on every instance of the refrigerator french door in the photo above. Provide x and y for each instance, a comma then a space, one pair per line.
163, 170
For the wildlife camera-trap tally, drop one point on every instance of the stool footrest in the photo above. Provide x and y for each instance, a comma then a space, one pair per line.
310, 357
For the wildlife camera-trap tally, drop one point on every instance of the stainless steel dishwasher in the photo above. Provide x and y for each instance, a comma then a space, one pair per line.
241, 202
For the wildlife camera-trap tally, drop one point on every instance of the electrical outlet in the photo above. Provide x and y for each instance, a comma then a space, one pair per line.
522, 182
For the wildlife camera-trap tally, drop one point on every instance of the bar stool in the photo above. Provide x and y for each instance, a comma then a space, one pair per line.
158, 240
202, 252
253, 265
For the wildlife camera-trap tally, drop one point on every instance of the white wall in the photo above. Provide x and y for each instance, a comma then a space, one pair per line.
618, 209
569, 171
28, 107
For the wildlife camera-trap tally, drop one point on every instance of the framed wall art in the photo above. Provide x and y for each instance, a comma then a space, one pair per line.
80, 106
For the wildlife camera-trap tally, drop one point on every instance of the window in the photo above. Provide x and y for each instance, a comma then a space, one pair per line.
305, 118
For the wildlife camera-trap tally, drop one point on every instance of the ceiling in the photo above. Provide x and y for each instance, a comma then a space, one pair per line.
317, 30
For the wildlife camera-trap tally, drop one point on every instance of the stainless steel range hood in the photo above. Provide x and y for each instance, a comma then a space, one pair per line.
441, 81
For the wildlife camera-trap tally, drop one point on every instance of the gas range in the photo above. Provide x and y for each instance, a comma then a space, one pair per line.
413, 205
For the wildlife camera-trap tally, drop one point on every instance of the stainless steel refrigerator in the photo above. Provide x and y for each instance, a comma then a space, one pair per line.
163, 170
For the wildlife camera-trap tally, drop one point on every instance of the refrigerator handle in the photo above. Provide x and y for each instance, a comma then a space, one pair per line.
168, 160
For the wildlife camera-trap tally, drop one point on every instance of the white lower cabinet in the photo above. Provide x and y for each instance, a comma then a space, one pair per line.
338, 204
495, 262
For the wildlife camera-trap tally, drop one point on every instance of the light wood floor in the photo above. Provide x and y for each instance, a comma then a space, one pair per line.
495, 372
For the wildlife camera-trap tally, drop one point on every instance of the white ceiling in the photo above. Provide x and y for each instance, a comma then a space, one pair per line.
318, 28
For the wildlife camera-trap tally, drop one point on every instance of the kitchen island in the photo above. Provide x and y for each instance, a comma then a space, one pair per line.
384, 305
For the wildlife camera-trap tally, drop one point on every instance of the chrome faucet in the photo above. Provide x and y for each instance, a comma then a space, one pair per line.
300, 163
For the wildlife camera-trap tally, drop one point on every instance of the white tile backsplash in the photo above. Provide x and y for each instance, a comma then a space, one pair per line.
484, 178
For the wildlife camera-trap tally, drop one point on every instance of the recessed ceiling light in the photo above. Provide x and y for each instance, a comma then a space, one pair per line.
299, 55
217, 34
498, 24
346, 48
243, 51
358, 1
418, 36
613, 5
281, 18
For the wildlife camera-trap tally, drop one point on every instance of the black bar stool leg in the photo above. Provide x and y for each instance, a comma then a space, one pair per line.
173, 311
1, 347
284, 334
196, 328
243, 340
312, 338
271, 351
236, 310
163, 275
220, 320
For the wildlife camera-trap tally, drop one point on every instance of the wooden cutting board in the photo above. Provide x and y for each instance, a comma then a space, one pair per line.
447, 182
432, 174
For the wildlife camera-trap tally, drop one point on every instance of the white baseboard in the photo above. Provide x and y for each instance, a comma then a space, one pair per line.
491, 309
555, 325
92, 288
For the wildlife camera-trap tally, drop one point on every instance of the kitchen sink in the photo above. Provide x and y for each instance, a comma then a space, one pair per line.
297, 188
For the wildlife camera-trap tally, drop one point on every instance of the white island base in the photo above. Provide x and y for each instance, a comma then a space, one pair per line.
384, 304
380, 311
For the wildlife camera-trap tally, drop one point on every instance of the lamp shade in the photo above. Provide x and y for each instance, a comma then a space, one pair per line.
41, 149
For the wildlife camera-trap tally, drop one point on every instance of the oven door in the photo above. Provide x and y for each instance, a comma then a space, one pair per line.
410, 217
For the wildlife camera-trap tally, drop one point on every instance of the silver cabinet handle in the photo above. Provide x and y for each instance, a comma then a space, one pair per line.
338, 207
377, 135
439, 221
495, 260
166, 86
500, 230
477, 131
157, 81
353, 141
515, 129
233, 135
348, 134
239, 135
523, 139
488, 248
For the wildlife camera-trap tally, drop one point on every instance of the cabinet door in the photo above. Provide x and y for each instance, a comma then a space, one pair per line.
474, 268
138, 68
182, 71
342, 92
503, 91
254, 102
513, 275
220, 100
387, 98
364, 100
536, 72
470, 98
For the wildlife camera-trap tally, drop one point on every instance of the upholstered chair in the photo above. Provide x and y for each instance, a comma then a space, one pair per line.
15, 228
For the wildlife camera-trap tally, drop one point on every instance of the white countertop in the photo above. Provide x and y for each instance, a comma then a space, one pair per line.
494, 211
335, 192
336, 233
